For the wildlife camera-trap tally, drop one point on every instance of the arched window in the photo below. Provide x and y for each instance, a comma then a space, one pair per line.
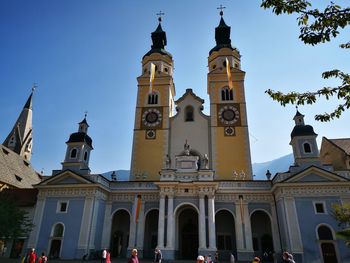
324, 233
85, 156
189, 113
307, 147
226, 94
153, 98
58, 230
73, 153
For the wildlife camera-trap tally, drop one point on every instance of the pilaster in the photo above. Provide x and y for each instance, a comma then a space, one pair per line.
107, 226
140, 229
202, 228
211, 223
132, 230
296, 245
171, 225
161, 221
85, 227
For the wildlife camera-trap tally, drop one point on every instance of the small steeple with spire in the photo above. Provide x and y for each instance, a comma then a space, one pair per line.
83, 125
298, 118
159, 40
20, 139
222, 33
303, 142
78, 151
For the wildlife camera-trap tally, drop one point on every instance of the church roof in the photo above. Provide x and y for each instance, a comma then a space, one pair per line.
29, 103
84, 122
80, 137
302, 130
189, 92
342, 143
15, 171
222, 36
159, 41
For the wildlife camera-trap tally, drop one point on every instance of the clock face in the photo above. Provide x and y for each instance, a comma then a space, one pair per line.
151, 117
228, 115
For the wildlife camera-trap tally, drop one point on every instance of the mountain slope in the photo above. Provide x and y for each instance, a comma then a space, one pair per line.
278, 165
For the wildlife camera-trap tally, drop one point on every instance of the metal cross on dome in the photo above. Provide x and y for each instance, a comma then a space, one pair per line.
160, 14
221, 10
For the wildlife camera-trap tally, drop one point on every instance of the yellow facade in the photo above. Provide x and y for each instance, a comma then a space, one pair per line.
228, 140
231, 154
149, 154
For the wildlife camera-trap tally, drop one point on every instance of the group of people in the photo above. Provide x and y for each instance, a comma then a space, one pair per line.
106, 256
208, 258
31, 257
286, 258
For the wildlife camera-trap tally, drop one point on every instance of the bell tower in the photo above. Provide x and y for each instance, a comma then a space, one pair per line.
229, 126
78, 151
154, 107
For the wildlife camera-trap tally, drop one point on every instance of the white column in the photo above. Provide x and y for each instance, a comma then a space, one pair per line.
274, 228
141, 226
161, 222
247, 228
107, 226
93, 225
296, 245
86, 223
211, 223
239, 228
201, 226
38, 215
132, 230
171, 225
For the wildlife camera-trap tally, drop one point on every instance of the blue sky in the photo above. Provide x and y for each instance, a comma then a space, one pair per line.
86, 56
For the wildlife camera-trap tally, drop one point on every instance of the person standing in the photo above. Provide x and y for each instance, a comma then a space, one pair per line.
42, 258
133, 258
209, 259
200, 259
103, 256
108, 257
232, 258
158, 256
32, 256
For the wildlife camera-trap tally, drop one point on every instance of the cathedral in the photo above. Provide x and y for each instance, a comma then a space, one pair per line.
191, 189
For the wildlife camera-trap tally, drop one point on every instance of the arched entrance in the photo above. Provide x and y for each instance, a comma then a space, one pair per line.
187, 233
225, 234
56, 240
151, 234
325, 237
262, 235
120, 233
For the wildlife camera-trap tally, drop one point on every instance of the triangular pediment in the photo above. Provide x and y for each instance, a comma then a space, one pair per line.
315, 174
65, 178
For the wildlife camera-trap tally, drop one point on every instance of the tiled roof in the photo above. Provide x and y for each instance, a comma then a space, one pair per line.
343, 143
15, 171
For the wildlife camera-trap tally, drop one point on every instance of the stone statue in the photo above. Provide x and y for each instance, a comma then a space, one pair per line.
187, 148
205, 161
167, 162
